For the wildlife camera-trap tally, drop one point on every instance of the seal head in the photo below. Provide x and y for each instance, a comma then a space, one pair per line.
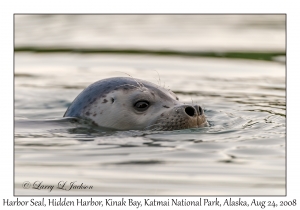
125, 103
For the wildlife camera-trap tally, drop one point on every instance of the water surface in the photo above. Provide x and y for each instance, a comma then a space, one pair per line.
241, 153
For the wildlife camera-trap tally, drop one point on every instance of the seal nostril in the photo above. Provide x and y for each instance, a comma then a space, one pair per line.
190, 111
200, 110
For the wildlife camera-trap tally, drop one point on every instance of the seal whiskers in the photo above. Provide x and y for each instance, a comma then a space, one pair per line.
138, 83
138, 87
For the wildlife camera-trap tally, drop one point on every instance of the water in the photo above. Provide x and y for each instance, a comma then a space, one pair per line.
181, 32
242, 152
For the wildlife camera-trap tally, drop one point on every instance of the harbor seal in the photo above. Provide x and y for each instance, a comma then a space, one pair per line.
126, 103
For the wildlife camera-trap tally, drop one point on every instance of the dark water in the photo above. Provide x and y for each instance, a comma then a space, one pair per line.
242, 152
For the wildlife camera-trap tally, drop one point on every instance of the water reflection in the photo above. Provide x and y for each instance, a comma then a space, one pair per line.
185, 33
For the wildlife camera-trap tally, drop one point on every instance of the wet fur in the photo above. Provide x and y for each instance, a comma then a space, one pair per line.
109, 103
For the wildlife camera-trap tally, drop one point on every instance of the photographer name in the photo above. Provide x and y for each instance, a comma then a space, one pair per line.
62, 185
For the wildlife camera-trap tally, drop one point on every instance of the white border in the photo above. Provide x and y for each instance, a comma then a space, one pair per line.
8, 8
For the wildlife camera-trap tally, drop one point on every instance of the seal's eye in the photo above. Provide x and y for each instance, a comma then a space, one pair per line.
141, 105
